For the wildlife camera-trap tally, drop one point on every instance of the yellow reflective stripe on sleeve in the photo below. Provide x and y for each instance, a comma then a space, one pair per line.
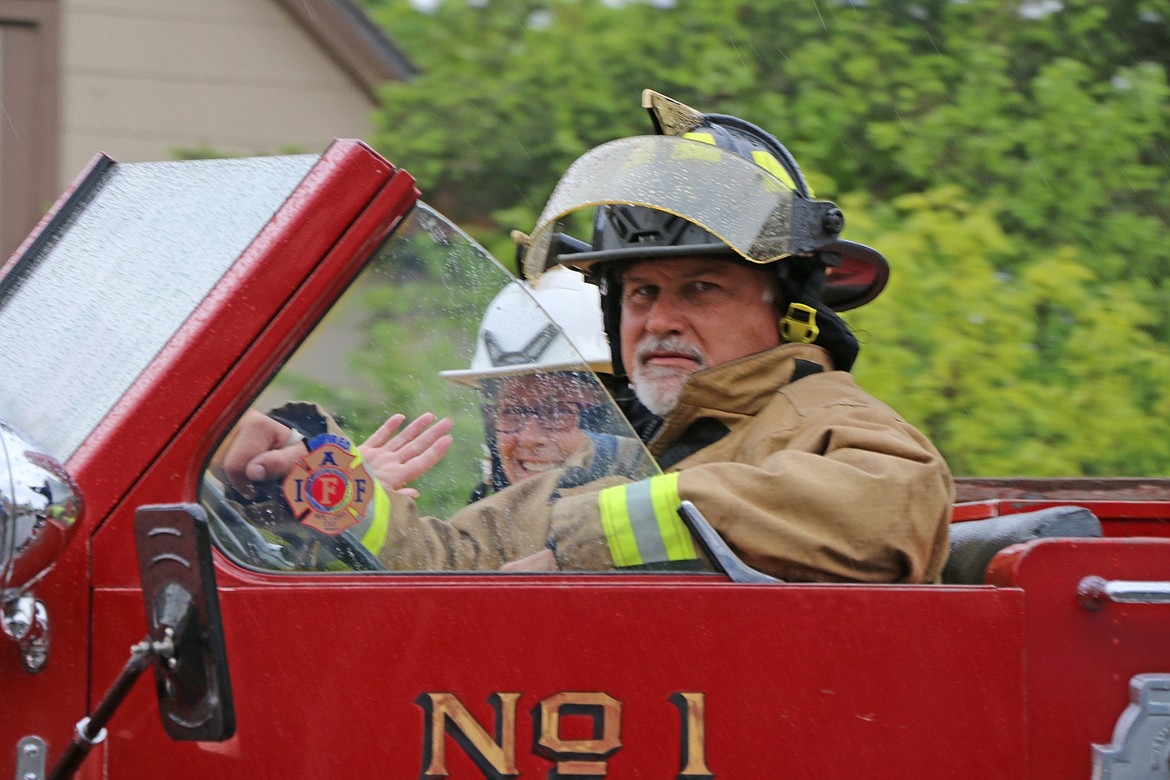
706, 138
641, 522
675, 534
615, 521
374, 524
378, 514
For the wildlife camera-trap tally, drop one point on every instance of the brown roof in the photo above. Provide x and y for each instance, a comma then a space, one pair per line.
353, 40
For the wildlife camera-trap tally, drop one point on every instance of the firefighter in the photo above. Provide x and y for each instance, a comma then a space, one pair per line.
541, 409
736, 362
541, 406
720, 275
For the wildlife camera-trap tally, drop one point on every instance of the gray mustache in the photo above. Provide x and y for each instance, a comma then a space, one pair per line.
670, 344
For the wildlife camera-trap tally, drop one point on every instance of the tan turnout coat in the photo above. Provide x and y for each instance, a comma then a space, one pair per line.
815, 481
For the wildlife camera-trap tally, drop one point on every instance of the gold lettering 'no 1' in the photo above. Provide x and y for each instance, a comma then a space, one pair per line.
573, 758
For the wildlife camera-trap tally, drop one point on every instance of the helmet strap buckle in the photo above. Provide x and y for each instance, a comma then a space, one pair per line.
799, 324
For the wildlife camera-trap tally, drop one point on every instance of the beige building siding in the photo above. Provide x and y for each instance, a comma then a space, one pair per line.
29, 115
141, 78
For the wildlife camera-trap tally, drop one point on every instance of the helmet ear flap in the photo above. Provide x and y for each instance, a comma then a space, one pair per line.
801, 277
608, 281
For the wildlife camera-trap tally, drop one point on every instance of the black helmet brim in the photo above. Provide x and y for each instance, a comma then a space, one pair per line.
855, 274
855, 277
584, 261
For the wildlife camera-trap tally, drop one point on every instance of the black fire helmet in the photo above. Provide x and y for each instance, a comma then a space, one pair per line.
710, 184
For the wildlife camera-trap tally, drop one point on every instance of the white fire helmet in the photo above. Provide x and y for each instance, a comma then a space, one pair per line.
516, 336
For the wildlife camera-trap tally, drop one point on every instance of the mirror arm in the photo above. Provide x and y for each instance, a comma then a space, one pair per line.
91, 730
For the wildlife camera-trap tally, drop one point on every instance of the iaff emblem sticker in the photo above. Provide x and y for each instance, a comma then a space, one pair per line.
329, 488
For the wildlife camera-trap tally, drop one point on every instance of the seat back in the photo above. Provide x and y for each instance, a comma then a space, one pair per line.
975, 542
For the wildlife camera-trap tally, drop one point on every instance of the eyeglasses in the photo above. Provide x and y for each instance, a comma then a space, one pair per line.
511, 418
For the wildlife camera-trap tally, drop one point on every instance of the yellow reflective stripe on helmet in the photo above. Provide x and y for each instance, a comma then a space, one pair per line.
378, 516
638, 158
641, 522
690, 152
760, 157
770, 164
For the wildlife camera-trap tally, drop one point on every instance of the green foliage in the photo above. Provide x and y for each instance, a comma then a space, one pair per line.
1008, 158
1048, 372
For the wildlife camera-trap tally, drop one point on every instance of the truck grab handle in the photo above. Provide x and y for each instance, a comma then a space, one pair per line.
1094, 592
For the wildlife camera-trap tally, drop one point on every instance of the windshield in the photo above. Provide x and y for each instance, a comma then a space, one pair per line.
418, 335
86, 314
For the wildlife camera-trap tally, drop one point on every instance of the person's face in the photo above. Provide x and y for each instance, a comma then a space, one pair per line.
680, 315
536, 422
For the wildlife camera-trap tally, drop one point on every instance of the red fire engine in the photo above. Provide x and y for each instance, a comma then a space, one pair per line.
157, 302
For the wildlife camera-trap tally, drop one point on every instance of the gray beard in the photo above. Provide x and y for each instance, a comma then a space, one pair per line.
658, 388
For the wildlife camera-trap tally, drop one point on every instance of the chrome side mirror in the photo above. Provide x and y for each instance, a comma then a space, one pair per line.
39, 509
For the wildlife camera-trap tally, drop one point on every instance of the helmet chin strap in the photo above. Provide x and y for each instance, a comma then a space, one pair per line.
812, 322
799, 324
